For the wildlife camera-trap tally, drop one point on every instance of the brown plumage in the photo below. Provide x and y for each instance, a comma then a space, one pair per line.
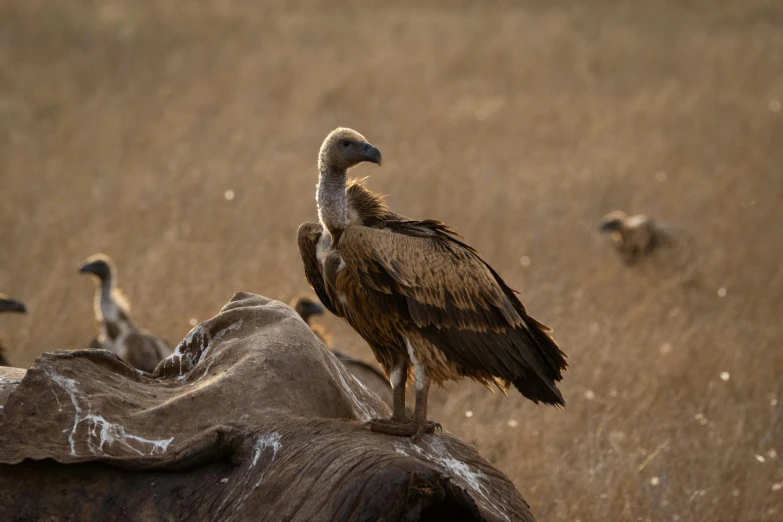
9, 305
117, 333
418, 294
369, 375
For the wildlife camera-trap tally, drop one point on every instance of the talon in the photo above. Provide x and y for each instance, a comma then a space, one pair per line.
425, 428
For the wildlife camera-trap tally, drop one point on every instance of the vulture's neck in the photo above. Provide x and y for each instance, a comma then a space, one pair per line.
105, 307
332, 201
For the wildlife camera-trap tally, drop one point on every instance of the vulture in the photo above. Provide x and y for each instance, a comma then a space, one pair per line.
367, 374
633, 237
429, 306
117, 333
9, 305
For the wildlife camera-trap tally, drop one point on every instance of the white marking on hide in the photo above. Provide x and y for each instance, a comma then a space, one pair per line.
471, 479
186, 351
271, 440
268, 441
418, 368
114, 433
218, 336
69, 386
181, 352
109, 431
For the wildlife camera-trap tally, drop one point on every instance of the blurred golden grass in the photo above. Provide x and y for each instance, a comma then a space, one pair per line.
123, 124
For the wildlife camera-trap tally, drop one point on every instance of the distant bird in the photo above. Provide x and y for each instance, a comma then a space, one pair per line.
9, 305
117, 333
634, 237
368, 374
418, 294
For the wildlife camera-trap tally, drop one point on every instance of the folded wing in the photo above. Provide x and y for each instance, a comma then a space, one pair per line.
440, 286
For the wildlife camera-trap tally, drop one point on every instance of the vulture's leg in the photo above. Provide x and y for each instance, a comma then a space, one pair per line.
398, 378
420, 413
399, 424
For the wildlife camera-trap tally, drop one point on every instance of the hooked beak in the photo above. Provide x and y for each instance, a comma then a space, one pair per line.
88, 268
610, 225
97, 268
312, 308
12, 305
371, 153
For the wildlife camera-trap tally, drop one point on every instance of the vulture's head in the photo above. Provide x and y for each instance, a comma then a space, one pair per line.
307, 308
344, 148
98, 265
613, 222
11, 305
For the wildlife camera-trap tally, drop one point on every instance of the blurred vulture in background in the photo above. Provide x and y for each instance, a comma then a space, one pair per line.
633, 237
9, 305
367, 374
116, 331
671, 249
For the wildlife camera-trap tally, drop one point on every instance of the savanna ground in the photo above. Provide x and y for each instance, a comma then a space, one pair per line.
124, 124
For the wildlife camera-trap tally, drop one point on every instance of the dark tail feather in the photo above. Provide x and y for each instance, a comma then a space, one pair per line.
538, 390
543, 387
553, 356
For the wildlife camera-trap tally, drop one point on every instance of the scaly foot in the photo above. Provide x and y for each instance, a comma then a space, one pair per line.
410, 428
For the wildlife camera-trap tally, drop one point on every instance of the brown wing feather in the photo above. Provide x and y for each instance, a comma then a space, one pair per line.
307, 237
440, 286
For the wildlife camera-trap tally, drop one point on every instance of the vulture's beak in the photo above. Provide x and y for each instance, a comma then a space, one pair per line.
371, 153
610, 225
88, 268
12, 305
311, 308
98, 268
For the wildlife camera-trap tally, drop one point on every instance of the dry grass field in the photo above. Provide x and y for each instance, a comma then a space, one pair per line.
124, 125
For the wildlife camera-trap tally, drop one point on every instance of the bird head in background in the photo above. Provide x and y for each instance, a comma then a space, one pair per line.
11, 305
344, 148
307, 308
613, 222
99, 265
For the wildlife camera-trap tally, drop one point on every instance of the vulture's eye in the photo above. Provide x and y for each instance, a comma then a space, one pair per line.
346, 143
